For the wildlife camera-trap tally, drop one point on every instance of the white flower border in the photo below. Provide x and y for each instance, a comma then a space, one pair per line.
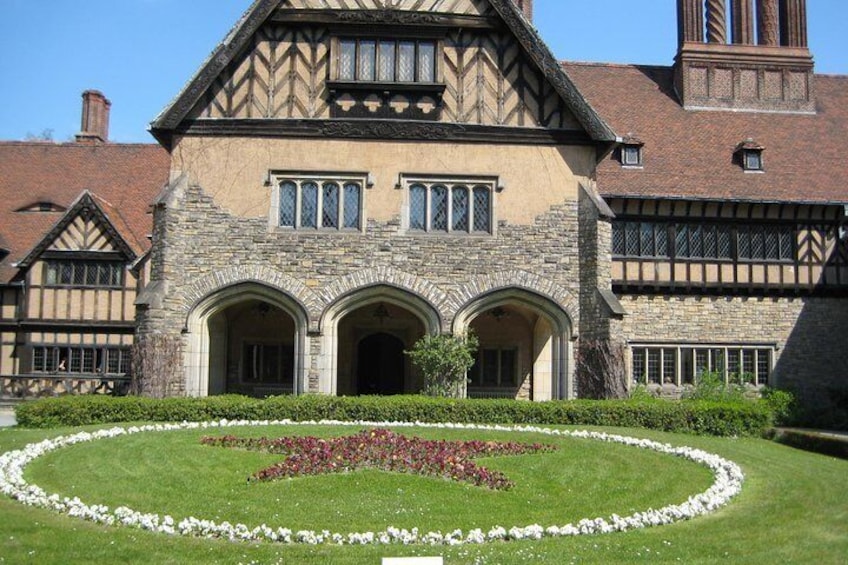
727, 484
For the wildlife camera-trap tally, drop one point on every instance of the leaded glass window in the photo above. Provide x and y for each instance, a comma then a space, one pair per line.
387, 60
351, 205
347, 59
418, 207
439, 208
330, 206
309, 205
79, 359
459, 208
482, 209
319, 203
450, 207
406, 61
82, 273
288, 204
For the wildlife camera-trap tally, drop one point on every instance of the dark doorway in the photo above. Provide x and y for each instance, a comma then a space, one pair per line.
380, 369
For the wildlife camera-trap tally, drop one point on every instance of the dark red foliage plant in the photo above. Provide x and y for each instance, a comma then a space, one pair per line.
383, 450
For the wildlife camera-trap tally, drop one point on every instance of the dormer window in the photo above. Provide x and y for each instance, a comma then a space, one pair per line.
750, 155
631, 155
631, 152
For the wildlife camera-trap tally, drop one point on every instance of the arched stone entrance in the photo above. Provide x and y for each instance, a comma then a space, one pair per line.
245, 339
524, 349
364, 336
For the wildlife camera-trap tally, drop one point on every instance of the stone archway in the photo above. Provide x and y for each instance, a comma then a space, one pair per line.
525, 346
356, 317
246, 338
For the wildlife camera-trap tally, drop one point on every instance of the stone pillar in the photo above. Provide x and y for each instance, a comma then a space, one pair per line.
716, 21
742, 20
767, 22
690, 21
793, 23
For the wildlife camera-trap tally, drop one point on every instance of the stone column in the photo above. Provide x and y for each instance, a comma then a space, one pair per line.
793, 23
716, 21
690, 21
742, 20
767, 22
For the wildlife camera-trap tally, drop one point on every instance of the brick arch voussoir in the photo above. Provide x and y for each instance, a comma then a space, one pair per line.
388, 276
482, 285
232, 276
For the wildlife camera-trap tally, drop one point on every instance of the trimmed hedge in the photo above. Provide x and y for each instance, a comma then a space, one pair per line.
750, 418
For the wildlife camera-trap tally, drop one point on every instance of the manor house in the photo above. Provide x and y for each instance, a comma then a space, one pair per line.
347, 177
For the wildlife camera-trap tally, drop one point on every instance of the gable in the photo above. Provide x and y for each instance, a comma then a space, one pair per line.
488, 80
280, 62
85, 232
86, 227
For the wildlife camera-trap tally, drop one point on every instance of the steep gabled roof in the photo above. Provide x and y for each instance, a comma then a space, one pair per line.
103, 213
123, 177
239, 37
689, 153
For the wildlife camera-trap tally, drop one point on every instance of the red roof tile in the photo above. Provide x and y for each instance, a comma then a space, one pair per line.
126, 176
689, 153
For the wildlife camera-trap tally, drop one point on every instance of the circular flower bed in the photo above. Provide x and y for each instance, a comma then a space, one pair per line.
727, 484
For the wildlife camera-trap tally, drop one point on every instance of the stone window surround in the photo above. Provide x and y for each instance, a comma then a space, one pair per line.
276, 178
665, 352
491, 182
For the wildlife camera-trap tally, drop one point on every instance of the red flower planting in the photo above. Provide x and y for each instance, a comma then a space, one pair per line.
384, 450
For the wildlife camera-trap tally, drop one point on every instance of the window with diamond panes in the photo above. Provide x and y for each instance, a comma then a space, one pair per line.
319, 204
78, 359
640, 239
387, 60
765, 242
96, 274
450, 207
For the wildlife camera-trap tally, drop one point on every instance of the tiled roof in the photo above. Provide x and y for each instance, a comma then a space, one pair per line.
689, 153
124, 178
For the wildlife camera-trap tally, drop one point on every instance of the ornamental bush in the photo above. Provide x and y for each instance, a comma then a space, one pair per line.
748, 418
444, 360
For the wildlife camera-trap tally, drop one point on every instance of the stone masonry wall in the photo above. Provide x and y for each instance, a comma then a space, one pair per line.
809, 332
195, 239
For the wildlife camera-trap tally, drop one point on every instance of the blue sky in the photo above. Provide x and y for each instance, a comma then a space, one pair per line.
140, 53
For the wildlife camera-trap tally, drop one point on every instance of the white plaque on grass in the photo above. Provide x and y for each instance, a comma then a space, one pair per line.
413, 561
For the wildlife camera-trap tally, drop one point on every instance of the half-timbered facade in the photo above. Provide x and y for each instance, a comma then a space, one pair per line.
728, 244
74, 222
350, 177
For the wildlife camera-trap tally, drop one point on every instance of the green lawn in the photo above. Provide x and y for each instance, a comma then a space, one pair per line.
793, 508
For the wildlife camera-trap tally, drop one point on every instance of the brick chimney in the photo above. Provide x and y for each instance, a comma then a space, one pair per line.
95, 118
751, 57
525, 6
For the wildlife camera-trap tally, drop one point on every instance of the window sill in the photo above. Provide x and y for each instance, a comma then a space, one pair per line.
432, 87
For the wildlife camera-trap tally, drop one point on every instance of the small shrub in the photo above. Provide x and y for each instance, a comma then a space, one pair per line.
444, 360
782, 404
